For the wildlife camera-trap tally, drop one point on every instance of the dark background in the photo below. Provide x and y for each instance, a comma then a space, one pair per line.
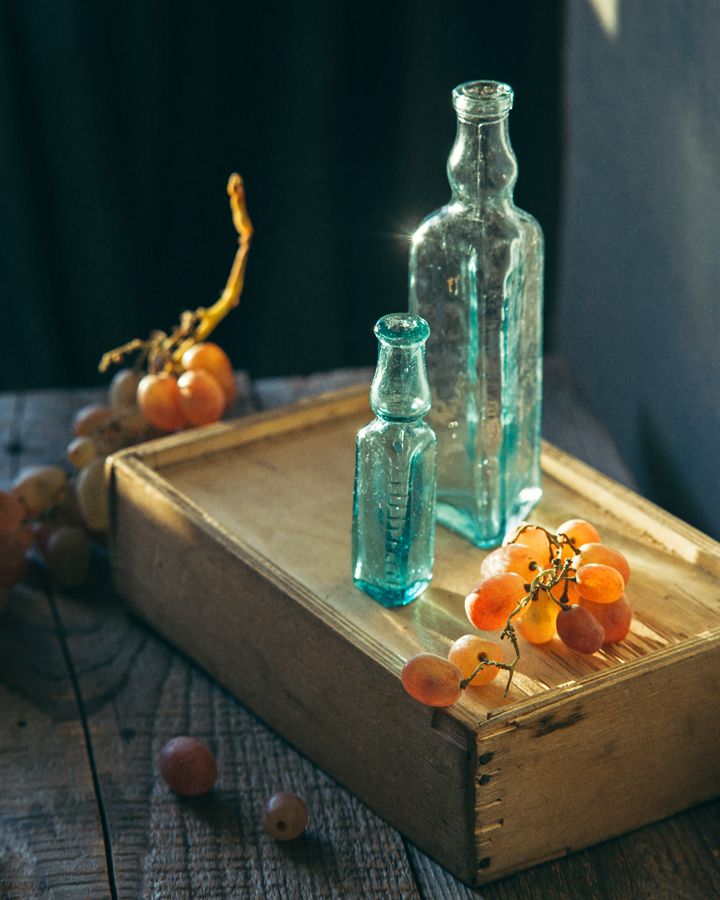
119, 125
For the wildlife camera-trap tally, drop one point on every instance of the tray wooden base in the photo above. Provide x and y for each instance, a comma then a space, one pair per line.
234, 542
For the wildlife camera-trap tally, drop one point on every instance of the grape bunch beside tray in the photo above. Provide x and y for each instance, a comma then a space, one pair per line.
256, 514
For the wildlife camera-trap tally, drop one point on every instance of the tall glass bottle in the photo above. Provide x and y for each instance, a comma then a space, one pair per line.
476, 269
393, 536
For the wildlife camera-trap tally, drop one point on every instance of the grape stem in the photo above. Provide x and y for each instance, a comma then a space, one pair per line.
164, 351
545, 580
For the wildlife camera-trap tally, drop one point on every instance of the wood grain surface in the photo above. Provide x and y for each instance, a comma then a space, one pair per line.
88, 695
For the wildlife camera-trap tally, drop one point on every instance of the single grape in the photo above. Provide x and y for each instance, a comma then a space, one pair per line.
67, 555
615, 618
39, 488
122, 392
91, 419
432, 680
511, 558
201, 398
212, 359
579, 532
187, 766
535, 539
285, 816
467, 652
135, 427
538, 620
159, 401
81, 451
578, 629
492, 601
12, 512
599, 583
25, 537
607, 556
12, 558
92, 496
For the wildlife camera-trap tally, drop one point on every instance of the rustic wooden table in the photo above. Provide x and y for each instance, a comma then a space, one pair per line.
89, 695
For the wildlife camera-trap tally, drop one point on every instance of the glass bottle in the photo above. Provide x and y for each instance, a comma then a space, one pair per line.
393, 536
476, 268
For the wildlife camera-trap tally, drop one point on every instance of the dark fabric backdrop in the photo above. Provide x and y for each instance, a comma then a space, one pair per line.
119, 124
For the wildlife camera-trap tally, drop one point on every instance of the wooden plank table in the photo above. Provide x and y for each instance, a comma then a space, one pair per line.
89, 695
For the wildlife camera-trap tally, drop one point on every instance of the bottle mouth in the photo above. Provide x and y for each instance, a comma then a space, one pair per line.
402, 330
482, 101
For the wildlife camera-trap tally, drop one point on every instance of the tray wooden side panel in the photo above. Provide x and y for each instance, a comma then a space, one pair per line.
598, 762
256, 634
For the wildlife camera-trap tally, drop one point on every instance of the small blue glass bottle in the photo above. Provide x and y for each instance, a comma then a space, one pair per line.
393, 535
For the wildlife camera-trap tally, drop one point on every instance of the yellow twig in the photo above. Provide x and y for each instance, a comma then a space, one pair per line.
165, 351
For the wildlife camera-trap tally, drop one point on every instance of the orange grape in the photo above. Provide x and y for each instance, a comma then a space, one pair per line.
492, 601
615, 618
12, 512
578, 629
601, 553
25, 537
285, 816
536, 540
159, 401
201, 398
537, 622
599, 583
90, 418
579, 532
432, 680
12, 559
468, 651
510, 558
212, 359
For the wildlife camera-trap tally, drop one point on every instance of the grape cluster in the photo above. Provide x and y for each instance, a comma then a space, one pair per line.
41, 510
59, 515
199, 395
539, 584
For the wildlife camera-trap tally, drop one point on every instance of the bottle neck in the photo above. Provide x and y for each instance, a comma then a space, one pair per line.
400, 391
482, 167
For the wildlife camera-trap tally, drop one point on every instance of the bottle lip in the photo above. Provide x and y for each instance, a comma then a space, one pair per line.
482, 101
402, 330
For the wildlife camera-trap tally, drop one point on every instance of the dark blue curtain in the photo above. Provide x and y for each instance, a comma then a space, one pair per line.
119, 124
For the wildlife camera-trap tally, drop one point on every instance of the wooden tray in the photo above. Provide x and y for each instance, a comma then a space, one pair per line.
234, 542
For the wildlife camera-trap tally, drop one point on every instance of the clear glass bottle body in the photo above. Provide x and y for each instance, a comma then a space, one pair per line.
476, 269
393, 534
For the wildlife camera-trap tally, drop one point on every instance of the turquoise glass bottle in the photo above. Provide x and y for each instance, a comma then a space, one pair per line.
476, 269
393, 535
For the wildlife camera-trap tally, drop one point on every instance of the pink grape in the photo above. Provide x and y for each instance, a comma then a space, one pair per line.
285, 816
579, 629
187, 766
